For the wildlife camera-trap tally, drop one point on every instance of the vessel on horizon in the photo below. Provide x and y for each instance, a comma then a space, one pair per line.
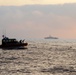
51, 37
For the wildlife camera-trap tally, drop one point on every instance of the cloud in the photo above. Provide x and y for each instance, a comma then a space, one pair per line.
38, 21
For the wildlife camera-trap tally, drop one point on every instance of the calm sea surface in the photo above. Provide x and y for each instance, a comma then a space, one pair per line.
41, 57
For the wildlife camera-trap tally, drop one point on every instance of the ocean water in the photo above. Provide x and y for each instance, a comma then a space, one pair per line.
41, 57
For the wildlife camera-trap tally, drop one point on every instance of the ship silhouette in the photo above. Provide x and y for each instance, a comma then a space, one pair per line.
12, 43
51, 37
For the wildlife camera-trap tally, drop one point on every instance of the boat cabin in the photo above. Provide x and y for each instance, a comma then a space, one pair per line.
9, 41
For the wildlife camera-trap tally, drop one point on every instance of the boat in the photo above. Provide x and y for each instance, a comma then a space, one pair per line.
11, 43
50, 37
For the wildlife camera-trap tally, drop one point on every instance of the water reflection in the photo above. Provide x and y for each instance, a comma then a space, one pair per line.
40, 58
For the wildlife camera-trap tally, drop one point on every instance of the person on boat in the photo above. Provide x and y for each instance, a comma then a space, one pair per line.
21, 41
4, 37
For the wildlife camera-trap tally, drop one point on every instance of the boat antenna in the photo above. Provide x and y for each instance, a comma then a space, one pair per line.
4, 33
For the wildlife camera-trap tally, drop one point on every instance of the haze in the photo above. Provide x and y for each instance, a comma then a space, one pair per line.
38, 19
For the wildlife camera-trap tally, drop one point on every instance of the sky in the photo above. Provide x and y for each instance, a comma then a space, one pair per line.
38, 18
23, 2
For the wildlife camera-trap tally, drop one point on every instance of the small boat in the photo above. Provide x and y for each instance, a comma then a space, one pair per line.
11, 43
50, 37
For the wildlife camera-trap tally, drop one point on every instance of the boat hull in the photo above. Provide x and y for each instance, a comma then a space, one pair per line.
11, 46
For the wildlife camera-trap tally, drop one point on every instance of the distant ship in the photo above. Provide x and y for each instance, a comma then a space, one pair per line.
50, 37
